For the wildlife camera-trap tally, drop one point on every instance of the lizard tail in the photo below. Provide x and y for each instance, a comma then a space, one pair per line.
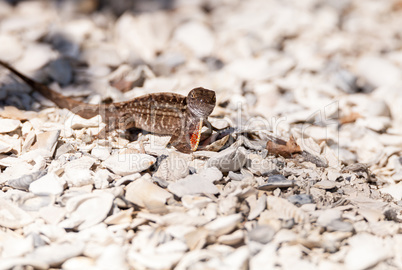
82, 109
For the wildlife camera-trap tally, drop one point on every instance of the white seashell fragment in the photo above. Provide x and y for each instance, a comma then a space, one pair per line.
257, 207
101, 152
13, 246
102, 178
378, 71
238, 259
197, 183
16, 168
223, 225
11, 48
174, 167
87, 210
102, 54
144, 193
155, 261
121, 217
29, 140
325, 184
125, 164
77, 122
49, 184
9, 125
35, 57
194, 257
35, 203
262, 234
230, 159
177, 218
371, 215
265, 259
257, 165
14, 141
112, 257
4, 147
228, 205
197, 37
366, 251
286, 210
13, 217
78, 263
55, 254
231, 239
11, 112
395, 190
52, 214
191, 201
47, 141
77, 173
250, 69
327, 216
378, 124
196, 239
8, 161
79, 177
11, 263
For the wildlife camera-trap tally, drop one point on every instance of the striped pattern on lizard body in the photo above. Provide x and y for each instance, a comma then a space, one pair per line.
160, 113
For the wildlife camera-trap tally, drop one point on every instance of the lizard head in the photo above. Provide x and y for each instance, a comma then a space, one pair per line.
201, 101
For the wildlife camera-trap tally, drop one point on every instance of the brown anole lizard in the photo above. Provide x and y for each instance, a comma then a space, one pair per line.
160, 113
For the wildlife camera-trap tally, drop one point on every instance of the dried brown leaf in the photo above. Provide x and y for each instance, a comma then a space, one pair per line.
283, 148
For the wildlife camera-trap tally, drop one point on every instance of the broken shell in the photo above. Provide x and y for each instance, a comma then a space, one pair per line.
77, 173
173, 167
125, 164
24, 181
300, 199
13, 217
54, 254
46, 141
101, 152
372, 248
286, 210
87, 210
78, 262
262, 234
223, 225
47, 185
144, 193
121, 217
232, 239
197, 183
230, 159
10, 263
257, 207
5, 147
9, 125
276, 181
325, 184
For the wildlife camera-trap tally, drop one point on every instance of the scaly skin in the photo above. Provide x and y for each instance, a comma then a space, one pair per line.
159, 113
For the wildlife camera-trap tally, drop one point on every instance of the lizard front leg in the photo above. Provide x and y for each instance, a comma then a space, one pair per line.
113, 122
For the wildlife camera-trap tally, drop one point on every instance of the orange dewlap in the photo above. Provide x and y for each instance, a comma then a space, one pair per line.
195, 136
